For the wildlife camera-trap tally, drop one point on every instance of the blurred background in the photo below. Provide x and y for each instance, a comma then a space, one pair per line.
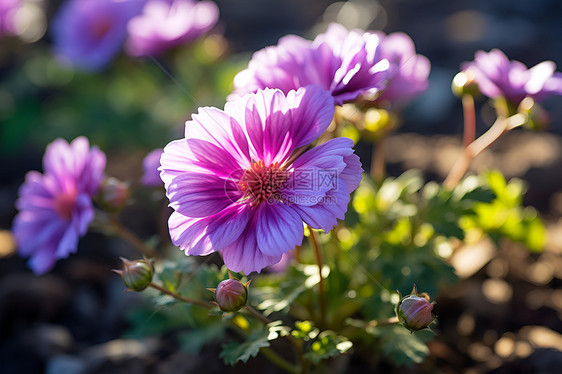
503, 316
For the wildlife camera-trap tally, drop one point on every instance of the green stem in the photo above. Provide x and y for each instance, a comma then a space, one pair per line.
321, 287
257, 314
127, 235
204, 304
469, 133
383, 322
500, 127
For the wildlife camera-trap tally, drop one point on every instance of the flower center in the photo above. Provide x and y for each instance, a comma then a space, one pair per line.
260, 182
101, 28
64, 203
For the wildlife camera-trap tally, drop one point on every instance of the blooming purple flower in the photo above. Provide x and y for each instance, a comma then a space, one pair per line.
241, 182
167, 23
55, 208
88, 33
150, 165
346, 63
8, 9
497, 76
408, 72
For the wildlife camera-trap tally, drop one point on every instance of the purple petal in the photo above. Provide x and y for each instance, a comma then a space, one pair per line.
279, 229
150, 165
201, 195
201, 236
325, 214
244, 254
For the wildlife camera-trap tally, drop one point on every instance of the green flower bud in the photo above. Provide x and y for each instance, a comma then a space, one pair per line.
464, 83
137, 275
113, 194
415, 311
231, 295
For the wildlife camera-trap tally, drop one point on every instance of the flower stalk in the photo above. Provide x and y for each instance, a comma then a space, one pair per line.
500, 127
321, 286
203, 304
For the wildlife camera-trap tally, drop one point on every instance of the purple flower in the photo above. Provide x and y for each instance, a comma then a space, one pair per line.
88, 33
241, 182
8, 9
497, 76
408, 73
55, 208
345, 63
150, 164
167, 23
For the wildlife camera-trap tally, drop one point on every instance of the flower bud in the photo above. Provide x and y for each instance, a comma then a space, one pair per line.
464, 83
137, 275
113, 194
415, 311
231, 295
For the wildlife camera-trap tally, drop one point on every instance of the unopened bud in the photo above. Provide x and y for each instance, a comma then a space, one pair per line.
113, 194
415, 311
137, 275
464, 83
231, 295
537, 117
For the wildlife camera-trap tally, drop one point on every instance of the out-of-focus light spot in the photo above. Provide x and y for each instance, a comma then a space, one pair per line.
542, 337
540, 272
465, 324
479, 352
498, 268
523, 349
497, 291
351, 294
466, 26
35, 70
30, 22
557, 299
7, 243
537, 298
360, 14
344, 235
394, 298
471, 258
406, 271
505, 346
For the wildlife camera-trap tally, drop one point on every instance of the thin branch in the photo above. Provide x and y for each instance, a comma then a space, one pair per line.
204, 304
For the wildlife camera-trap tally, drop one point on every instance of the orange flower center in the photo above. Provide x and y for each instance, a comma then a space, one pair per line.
260, 182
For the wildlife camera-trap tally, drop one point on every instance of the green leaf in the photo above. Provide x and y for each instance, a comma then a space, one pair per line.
235, 351
194, 339
402, 346
328, 344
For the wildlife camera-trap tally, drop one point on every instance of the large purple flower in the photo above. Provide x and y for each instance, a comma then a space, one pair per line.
345, 63
241, 182
8, 9
497, 76
88, 33
408, 72
55, 208
167, 23
150, 165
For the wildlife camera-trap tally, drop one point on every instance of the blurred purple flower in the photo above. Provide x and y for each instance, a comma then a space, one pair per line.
150, 165
497, 76
241, 183
408, 73
168, 23
88, 33
346, 63
55, 208
8, 9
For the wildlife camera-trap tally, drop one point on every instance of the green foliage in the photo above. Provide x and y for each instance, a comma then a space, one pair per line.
236, 351
328, 344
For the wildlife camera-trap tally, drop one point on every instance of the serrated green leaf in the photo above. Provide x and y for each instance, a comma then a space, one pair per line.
402, 346
236, 351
